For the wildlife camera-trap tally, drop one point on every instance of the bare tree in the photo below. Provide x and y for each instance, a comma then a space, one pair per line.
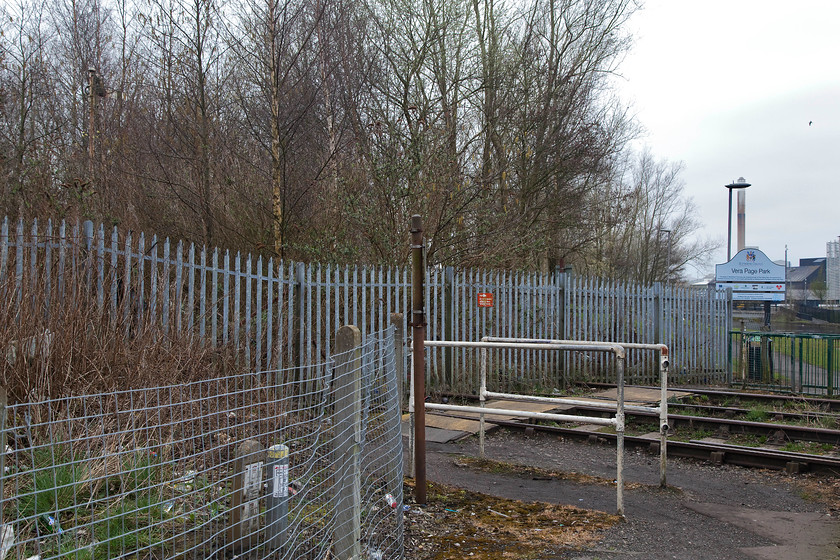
286, 71
188, 59
561, 130
313, 129
25, 127
649, 224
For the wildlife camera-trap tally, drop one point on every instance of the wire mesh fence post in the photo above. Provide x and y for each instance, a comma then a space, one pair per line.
2, 462
395, 473
348, 424
277, 499
399, 356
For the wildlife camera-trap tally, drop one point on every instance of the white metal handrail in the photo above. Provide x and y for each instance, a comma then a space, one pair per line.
662, 409
618, 421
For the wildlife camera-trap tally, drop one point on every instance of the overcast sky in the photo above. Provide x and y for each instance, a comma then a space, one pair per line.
729, 88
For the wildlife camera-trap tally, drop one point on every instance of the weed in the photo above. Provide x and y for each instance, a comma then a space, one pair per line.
634, 428
748, 440
730, 401
757, 414
140, 472
75, 517
131, 525
53, 487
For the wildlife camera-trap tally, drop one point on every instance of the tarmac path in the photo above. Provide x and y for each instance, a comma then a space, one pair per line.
706, 513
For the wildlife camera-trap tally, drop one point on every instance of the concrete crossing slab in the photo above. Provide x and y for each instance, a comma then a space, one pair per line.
642, 396
443, 428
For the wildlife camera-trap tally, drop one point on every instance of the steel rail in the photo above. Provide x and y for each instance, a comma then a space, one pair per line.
806, 415
832, 405
713, 452
798, 433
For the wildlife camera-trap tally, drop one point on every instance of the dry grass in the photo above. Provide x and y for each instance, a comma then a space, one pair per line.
458, 523
819, 489
71, 345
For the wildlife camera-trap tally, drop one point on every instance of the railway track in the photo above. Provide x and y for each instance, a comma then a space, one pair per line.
826, 404
726, 427
783, 428
718, 453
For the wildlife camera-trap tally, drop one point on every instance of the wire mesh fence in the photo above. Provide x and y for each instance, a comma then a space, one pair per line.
289, 463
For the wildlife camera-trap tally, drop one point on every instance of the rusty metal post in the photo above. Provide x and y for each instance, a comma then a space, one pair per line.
418, 330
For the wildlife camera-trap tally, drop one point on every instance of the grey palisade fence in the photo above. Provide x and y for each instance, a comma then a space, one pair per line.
284, 314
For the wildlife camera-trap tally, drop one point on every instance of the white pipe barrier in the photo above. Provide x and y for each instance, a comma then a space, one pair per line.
618, 421
662, 409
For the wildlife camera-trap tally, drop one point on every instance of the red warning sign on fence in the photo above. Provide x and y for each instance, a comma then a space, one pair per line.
485, 299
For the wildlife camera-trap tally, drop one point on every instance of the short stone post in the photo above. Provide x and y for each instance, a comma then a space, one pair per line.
244, 528
348, 434
399, 356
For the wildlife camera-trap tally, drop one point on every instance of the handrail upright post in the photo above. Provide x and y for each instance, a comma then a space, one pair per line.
619, 429
412, 473
481, 399
663, 416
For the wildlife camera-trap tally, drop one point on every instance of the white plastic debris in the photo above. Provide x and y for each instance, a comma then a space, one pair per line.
7, 541
185, 482
390, 500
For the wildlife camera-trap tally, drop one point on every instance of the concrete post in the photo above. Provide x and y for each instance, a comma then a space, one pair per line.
348, 431
398, 320
244, 528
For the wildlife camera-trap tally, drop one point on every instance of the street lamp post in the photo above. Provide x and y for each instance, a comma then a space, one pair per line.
739, 184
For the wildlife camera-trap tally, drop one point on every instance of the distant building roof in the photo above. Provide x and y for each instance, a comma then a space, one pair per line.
802, 273
704, 281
